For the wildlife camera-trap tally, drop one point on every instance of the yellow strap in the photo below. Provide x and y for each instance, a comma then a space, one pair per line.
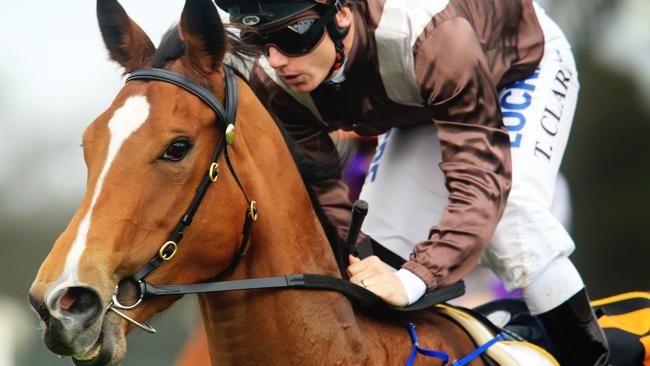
637, 322
621, 297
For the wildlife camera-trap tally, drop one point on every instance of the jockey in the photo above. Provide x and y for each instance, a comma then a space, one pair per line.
473, 101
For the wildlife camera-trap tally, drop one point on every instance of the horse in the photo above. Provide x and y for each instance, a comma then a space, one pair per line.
145, 156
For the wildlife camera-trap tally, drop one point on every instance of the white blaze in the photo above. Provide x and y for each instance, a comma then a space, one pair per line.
126, 120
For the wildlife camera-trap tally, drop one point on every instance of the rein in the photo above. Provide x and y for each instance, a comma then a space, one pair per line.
226, 120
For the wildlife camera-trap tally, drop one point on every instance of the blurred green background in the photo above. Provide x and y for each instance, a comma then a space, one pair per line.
54, 78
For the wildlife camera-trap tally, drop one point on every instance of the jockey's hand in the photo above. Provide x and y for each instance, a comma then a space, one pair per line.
375, 276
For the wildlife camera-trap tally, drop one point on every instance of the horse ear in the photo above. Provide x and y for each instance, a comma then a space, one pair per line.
203, 33
127, 43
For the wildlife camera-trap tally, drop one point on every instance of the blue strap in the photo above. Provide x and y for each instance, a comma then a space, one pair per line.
441, 355
423, 351
477, 352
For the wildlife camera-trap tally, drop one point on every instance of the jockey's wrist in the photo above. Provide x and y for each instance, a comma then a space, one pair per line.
414, 286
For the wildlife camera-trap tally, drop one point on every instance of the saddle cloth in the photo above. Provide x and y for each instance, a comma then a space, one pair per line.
625, 319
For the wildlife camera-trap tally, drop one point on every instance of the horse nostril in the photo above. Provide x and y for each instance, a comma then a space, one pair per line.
81, 302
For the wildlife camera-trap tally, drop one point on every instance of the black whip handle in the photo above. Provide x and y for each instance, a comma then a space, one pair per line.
359, 211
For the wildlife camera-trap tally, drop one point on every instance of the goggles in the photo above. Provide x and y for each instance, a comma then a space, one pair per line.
297, 39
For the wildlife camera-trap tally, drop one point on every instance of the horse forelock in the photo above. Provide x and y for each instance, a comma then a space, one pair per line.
172, 47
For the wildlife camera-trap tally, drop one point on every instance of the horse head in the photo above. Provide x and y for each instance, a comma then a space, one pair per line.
145, 156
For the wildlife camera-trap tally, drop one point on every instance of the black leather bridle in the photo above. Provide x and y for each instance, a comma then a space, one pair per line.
226, 119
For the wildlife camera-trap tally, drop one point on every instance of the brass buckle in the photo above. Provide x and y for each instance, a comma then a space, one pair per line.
164, 247
213, 173
252, 210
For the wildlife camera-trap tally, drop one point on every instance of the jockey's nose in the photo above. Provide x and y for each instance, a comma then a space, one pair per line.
276, 58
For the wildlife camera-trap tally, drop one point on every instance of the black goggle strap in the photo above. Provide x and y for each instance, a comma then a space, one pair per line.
226, 117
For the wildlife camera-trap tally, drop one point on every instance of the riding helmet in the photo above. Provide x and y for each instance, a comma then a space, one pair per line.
265, 14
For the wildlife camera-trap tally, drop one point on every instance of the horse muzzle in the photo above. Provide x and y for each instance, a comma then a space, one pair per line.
76, 325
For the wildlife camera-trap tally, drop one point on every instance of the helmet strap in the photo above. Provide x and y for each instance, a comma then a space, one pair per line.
337, 34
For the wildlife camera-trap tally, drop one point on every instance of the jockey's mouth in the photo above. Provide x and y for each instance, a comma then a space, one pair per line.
291, 78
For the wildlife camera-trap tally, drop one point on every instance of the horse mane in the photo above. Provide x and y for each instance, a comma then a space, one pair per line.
172, 48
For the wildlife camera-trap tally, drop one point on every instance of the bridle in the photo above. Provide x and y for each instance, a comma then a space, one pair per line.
226, 120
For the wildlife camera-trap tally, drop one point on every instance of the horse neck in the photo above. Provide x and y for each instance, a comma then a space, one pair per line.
287, 238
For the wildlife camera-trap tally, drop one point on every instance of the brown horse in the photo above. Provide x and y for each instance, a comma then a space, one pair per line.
146, 156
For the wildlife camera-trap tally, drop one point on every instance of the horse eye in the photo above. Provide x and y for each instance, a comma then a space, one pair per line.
177, 150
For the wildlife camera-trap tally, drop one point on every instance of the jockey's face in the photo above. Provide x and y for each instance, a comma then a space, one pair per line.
305, 73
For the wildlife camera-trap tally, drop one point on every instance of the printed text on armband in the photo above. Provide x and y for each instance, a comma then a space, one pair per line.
552, 117
374, 165
514, 102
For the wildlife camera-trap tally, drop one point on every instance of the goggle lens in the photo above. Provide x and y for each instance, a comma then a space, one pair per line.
295, 40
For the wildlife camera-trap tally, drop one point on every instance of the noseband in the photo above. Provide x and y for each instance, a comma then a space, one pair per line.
226, 120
